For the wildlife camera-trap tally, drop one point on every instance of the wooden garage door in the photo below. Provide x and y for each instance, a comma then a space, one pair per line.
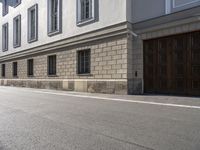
172, 65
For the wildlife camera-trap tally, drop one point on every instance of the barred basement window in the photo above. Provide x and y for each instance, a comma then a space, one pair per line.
15, 69
30, 69
86, 11
84, 62
5, 7
52, 65
17, 31
5, 37
54, 16
33, 23
3, 70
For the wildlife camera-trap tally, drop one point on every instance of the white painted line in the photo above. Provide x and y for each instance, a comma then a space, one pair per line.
122, 100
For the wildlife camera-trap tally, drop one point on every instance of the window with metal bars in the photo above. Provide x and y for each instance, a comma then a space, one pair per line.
30, 66
84, 62
3, 70
15, 69
52, 65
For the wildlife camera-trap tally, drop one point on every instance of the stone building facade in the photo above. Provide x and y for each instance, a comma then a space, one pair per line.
120, 63
108, 68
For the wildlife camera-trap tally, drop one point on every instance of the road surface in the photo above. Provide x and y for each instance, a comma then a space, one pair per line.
33, 119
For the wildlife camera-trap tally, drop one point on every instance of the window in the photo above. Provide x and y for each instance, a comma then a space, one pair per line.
86, 11
54, 17
5, 37
17, 31
16, 3
84, 62
33, 23
3, 70
14, 69
5, 7
52, 65
178, 5
30, 67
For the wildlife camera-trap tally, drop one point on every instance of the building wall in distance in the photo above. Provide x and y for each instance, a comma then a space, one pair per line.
141, 10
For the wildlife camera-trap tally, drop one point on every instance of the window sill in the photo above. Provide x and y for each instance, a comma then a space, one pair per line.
30, 76
51, 76
16, 46
17, 4
84, 74
54, 33
85, 22
4, 14
4, 50
33, 40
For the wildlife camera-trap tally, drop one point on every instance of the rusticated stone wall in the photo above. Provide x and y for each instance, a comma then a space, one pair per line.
108, 68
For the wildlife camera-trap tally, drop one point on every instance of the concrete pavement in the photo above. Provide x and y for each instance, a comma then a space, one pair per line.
32, 119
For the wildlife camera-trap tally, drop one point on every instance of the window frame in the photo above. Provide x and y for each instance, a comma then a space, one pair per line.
94, 13
3, 70
15, 36
5, 41
5, 7
79, 69
34, 7
171, 7
30, 67
15, 70
59, 18
51, 71
17, 3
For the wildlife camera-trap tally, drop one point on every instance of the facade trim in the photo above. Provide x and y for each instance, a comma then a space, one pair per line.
111, 31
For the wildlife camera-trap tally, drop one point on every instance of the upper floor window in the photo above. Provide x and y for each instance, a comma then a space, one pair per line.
16, 2
5, 7
17, 31
33, 23
5, 37
54, 16
178, 5
86, 11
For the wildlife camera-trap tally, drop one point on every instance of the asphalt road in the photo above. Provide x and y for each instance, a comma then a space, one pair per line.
32, 119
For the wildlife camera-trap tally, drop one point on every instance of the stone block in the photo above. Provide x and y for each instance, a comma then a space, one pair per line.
81, 86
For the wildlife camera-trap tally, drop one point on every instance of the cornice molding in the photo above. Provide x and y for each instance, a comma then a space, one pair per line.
111, 31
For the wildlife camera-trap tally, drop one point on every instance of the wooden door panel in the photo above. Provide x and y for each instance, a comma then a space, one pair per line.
194, 75
150, 50
172, 64
178, 64
163, 65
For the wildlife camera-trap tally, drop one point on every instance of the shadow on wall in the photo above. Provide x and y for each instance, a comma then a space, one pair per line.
9, 2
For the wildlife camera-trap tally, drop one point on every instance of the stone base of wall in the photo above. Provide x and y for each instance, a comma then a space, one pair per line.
135, 86
91, 86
